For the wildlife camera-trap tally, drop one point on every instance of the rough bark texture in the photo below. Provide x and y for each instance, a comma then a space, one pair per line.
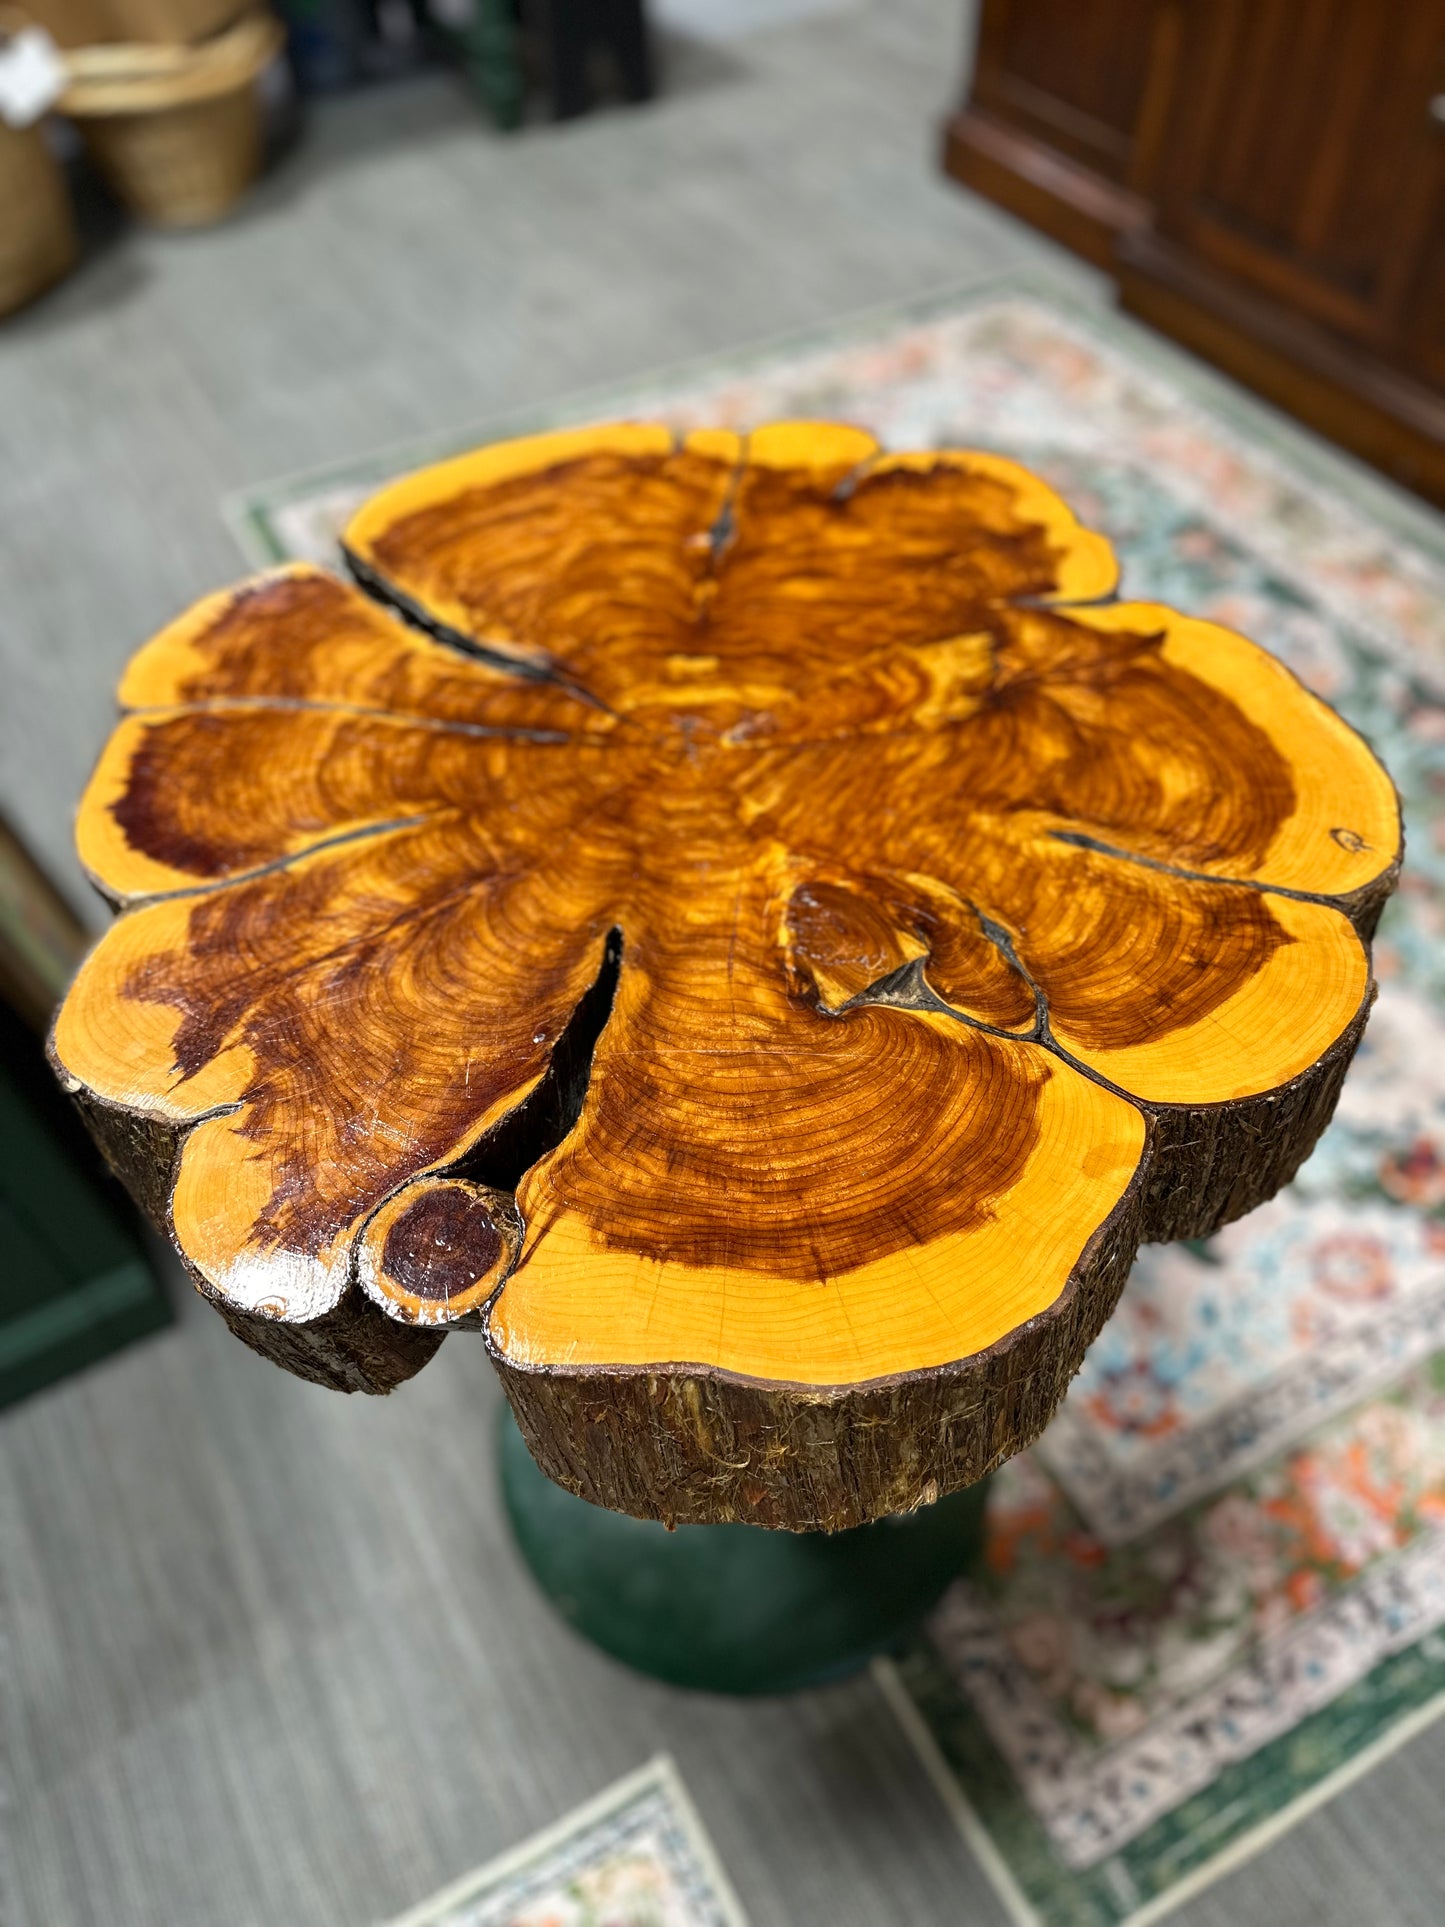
1214, 1163
746, 924
141, 1150
700, 1447
351, 1348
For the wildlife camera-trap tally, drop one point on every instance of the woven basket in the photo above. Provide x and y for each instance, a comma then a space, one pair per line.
37, 230
176, 131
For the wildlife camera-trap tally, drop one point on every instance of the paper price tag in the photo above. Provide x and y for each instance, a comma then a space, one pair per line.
32, 76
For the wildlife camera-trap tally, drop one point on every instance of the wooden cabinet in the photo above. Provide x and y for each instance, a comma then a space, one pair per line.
1266, 178
1065, 118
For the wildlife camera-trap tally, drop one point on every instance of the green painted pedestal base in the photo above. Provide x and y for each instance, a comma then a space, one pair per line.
734, 1609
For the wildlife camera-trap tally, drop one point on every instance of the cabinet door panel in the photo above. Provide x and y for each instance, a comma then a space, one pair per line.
1306, 161
1076, 73
1422, 347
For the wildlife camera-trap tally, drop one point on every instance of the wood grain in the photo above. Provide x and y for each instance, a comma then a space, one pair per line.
744, 923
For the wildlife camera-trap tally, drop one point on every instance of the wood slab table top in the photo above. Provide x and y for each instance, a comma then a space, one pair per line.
751, 926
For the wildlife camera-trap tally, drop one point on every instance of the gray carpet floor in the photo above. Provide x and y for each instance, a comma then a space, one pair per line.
269, 1657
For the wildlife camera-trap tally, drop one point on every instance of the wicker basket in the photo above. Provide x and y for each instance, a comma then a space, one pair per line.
37, 229
176, 131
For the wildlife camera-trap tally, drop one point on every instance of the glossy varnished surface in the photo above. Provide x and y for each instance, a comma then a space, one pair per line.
932, 873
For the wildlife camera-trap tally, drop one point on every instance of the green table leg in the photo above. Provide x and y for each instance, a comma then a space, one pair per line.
734, 1609
494, 61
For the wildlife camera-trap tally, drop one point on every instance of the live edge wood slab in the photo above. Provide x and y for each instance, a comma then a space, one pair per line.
748, 925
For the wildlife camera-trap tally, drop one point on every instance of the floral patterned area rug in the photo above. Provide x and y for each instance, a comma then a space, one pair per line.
1217, 1585
635, 1857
